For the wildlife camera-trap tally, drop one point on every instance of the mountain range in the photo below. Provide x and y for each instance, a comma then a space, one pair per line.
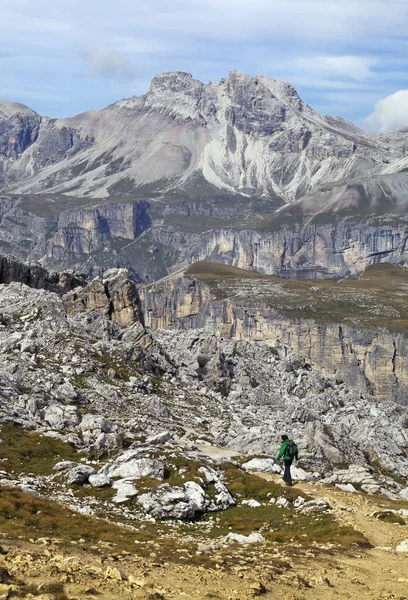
241, 171
245, 135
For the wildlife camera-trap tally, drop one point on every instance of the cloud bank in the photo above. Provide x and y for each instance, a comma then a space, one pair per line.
389, 114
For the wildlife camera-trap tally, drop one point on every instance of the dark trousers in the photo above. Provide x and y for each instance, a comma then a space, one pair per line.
287, 477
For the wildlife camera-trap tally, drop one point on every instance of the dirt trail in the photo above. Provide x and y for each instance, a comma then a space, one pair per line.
376, 573
308, 574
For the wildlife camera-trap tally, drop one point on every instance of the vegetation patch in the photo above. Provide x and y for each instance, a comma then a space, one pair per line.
390, 517
24, 451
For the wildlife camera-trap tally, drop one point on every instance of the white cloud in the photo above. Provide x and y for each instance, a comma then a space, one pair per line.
109, 63
390, 113
357, 68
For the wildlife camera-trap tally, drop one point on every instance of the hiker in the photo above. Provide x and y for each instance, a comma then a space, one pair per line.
288, 451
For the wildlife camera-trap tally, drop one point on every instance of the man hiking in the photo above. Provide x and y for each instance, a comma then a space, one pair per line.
288, 451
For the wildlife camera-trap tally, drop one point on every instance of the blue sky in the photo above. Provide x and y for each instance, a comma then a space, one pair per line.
346, 57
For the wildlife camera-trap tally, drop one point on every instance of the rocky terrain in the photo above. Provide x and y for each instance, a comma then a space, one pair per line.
154, 440
354, 328
245, 135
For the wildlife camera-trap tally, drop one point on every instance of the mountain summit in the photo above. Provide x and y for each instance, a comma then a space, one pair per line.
251, 136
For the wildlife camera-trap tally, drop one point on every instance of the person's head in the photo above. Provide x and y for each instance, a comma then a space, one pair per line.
284, 437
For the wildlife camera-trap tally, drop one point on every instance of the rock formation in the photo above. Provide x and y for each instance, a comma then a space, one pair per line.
325, 325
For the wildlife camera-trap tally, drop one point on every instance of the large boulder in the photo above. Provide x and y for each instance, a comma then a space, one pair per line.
171, 502
124, 490
185, 503
79, 474
132, 464
264, 465
100, 480
62, 417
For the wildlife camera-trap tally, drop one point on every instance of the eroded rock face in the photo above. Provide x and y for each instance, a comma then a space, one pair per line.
36, 276
374, 361
248, 135
115, 298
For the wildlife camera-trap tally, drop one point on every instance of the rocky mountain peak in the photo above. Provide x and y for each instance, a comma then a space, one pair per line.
174, 81
9, 109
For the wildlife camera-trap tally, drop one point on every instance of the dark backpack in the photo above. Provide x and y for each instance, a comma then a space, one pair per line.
291, 449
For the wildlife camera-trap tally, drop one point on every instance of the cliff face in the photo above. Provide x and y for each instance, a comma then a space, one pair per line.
309, 251
37, 277
61, 235
112, 234
373, 360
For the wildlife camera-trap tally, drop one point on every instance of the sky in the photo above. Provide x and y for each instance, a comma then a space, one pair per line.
344, 57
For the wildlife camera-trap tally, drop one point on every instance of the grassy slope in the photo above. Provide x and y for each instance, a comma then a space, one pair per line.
378, 298
26, 516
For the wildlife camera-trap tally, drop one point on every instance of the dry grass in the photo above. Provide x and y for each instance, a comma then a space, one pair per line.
23, 451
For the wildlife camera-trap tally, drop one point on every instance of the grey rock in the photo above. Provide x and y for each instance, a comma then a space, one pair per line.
251, 503
64, 465
316, 505
160, 438
346, 487
264, 465
404, 494
100, 480
252, 538
125, 490
79, 474
130, 464
61, 417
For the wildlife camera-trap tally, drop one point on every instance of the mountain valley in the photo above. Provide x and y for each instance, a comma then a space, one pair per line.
184, 276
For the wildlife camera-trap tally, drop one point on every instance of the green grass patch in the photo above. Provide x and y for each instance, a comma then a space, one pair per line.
286, 526
23, 451
244, 486
389, 517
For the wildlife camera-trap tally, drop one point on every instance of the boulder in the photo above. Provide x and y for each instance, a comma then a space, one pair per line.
403, 546
132, 465
100, 480
316, 505
160, 438
252, 503
91, 423
282, 502
62, 417
64, 465
223, 498
299, 474
168, 503
125, 490
79, 474
252, 538
264, 465
346, 487
196, 496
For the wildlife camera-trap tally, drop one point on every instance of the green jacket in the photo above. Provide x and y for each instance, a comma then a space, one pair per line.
282, 451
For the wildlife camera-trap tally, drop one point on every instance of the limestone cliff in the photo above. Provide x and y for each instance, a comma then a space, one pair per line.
370, 355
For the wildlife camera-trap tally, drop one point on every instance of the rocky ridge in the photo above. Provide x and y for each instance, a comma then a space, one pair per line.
353, 329
159, 433
247, 135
